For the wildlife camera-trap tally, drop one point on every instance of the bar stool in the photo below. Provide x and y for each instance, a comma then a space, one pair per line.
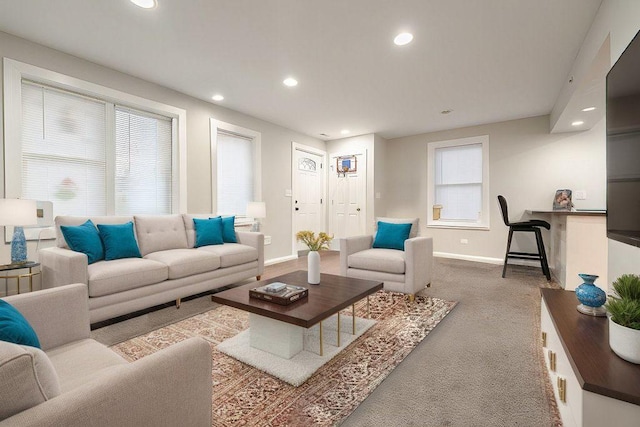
532, 226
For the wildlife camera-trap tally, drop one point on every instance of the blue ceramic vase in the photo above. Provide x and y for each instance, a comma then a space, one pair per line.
590, 296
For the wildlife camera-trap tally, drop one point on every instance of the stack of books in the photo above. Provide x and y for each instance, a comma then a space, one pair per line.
279, 293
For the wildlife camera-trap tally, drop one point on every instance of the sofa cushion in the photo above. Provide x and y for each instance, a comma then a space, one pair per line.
385, 260
232, 253
27, 376
119, 241
80, 361
84, 238
160, 232
110, 277
415, 228
229, 229
391, 236
186, 262
208, 231
14, 328
77, 220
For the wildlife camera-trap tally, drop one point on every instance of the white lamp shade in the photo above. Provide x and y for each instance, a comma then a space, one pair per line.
256, 210
18, 212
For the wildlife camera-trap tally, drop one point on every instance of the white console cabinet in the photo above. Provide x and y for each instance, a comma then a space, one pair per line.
593, 387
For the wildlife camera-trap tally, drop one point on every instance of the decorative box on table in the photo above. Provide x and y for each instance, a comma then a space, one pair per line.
279, 293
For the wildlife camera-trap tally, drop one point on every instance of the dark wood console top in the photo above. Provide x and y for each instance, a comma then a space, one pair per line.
586, 342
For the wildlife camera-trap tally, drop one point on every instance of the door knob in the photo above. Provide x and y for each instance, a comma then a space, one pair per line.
297, 209
358, 209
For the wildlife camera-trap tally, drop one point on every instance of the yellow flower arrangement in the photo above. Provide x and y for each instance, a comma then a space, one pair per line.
314, 243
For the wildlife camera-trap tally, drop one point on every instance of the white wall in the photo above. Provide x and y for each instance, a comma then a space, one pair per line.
380, 176
527, 165
276, 140
621, 20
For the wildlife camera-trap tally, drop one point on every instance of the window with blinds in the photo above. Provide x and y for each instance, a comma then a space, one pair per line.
458, 183
235, 161
143, 163
64, 150
91, 157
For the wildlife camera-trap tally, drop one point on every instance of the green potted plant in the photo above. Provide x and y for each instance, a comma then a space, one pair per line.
624, 318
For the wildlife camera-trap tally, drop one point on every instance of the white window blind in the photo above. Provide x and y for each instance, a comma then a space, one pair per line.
458, 182
63, 150
143, 163
235, 173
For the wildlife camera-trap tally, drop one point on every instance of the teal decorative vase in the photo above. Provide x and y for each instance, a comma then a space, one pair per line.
590, 296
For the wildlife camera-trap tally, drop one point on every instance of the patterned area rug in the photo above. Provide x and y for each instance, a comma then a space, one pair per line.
246, 396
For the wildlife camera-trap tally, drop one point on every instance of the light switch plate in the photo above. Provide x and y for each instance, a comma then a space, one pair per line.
580, 195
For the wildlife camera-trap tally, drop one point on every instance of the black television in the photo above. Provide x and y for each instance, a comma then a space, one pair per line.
623, 146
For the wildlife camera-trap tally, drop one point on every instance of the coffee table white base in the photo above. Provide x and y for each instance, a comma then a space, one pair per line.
275, 337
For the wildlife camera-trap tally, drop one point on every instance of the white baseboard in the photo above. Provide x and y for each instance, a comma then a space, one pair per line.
279, 260
488, 260
475, 258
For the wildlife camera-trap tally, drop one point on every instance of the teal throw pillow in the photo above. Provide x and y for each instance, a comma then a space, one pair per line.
84, 238
391, 236
119, 241
208, 231
229, 229
14, 327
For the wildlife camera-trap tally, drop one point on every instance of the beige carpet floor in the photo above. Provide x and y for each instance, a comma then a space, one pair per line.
482, 366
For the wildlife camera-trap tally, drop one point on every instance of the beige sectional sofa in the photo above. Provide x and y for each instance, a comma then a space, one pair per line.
75, 381
170, 268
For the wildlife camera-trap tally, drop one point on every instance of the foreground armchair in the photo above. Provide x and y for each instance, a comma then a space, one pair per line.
407, 271
76, 381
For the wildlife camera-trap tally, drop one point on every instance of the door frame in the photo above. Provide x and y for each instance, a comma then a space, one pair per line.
323, 212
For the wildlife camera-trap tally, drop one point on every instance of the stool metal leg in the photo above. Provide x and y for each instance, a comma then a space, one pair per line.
542, 254
506, 255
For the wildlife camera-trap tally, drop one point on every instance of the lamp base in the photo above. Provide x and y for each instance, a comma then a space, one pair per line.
18, 246
255, 227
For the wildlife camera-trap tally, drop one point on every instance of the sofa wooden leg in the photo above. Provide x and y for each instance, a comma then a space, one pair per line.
412, 297
178, 301
428, 285
258, 278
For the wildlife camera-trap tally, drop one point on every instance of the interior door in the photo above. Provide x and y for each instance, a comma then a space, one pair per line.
348, 199
307, 195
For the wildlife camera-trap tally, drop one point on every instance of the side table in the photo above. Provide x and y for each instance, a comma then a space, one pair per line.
29, 265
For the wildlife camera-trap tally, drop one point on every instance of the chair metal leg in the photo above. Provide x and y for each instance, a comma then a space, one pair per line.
506, 255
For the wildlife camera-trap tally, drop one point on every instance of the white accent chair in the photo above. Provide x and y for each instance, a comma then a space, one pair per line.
75, 381
407, 271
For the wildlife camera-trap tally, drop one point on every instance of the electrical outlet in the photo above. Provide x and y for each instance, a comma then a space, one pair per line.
464, 241
267, 240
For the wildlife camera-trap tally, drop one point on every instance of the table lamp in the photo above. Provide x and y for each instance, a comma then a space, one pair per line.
256, 210
18, 213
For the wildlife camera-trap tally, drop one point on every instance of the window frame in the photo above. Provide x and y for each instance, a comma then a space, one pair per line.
15, 72
256, 139
484, 222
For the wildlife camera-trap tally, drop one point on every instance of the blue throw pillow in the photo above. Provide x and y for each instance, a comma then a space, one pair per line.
84, 238
391, 236
119, 241
229, 229
208, 231
14, 327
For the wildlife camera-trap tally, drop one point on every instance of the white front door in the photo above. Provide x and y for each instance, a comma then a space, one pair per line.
308, 189
348, 198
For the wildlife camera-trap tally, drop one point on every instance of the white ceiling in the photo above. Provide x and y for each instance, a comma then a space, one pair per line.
487, 60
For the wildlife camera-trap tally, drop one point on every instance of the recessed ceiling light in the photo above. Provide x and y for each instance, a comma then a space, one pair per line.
145, 4
577, 123
290, 81
589, 109
217, 97
344, 131
446, 111
403, 38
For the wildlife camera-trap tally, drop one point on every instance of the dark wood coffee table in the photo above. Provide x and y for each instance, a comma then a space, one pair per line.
279, 329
